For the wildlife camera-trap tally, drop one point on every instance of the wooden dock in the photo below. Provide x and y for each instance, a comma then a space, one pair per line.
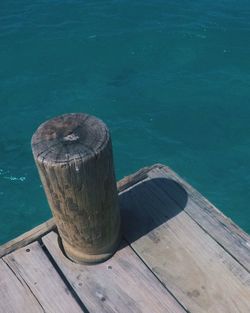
178, 254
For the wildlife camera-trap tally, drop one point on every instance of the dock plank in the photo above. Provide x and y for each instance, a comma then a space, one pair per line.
28, 237
121, 284
199, 255
190, 263
31, 265
14, 293
44, 228
213, 221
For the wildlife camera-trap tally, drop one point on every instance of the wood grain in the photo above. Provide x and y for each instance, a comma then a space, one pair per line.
191, 247
40, 230
213, 221
122, 284
225, 232
73, 154
15, 296
192, 265
31, 265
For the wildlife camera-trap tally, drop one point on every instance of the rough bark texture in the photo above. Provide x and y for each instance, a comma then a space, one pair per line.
73, 153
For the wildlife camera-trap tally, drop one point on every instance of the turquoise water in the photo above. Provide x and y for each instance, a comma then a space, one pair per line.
170, 78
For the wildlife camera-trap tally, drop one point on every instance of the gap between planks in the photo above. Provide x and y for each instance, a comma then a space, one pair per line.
121, 284
194, 200
44, 228
186, 259
227, 234
31, 266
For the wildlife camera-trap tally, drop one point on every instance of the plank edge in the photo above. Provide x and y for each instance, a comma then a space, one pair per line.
42, 229
222, 218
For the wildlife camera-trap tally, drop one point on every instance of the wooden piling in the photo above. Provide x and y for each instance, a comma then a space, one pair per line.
73, 154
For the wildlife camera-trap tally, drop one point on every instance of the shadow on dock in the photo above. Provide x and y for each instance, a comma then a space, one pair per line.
148, 205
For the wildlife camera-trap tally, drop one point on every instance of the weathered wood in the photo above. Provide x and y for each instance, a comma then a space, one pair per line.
220, 227
120, 285
134, 178
15, 296
190, 263
33, 268
213, 221
73, 153
180, 236
41, 230
27, 237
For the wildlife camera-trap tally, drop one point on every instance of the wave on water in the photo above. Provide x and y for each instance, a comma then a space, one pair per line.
5, 175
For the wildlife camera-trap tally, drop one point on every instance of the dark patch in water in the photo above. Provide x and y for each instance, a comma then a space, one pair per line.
122, 78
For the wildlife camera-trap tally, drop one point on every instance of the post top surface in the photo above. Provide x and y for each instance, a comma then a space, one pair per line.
69, 137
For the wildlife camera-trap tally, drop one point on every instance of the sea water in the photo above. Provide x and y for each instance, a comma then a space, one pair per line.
170, 78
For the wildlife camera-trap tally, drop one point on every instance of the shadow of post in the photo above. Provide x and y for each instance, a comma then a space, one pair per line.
149, 204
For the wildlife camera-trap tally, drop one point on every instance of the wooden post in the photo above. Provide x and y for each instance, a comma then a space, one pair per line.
73, 154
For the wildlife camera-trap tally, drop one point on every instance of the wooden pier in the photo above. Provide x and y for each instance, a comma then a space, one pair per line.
178, 254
